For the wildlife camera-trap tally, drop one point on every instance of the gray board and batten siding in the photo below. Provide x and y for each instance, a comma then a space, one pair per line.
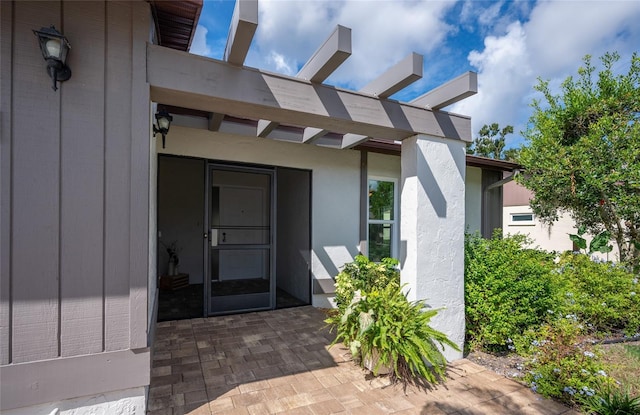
74, 197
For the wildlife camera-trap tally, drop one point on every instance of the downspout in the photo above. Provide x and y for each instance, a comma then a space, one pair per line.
502, 182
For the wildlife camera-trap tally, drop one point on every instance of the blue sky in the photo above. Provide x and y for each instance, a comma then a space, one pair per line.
509, 43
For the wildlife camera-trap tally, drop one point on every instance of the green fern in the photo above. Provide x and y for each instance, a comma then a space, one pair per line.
374, 318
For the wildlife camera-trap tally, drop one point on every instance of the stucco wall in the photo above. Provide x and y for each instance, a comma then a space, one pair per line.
335, 184
553, 237
384, 165
432, 230
549, 238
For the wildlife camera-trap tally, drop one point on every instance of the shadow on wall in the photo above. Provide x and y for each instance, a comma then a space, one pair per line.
333, 259
432, 188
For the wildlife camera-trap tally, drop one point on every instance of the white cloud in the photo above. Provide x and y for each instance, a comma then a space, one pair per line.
383, 33
489, 15
199, 44
504, 76
280, 63
550, 45
561, 33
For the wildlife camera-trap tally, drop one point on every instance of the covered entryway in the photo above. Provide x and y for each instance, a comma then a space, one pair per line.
241, 234
229, 113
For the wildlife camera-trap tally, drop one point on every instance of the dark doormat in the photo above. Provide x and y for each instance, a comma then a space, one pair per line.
187, 302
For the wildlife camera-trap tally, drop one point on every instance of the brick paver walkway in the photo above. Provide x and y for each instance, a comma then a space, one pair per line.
280, 362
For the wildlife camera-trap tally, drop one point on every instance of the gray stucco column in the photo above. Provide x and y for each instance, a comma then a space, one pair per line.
432, 230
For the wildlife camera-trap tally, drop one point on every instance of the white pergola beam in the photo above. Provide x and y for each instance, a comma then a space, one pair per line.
310, 134
215, 86
351, 140
329, 56
399, 76
265, 127
215, 121
450, 92
394, 79
243, 26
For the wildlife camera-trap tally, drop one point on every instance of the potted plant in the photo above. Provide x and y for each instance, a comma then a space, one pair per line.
383, 329
172, 252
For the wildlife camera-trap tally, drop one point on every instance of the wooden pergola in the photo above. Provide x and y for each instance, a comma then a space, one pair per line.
315, 113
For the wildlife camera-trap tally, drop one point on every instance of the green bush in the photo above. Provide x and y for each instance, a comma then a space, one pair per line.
364, 275
379, 322
602, 294
561, 363
508, 289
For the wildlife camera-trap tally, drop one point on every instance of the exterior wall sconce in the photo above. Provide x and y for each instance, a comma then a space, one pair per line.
164, 122
54, 47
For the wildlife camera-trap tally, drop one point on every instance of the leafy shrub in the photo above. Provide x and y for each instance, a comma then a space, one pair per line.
379, 321
508, 289
561, 363
602, 294
364, 275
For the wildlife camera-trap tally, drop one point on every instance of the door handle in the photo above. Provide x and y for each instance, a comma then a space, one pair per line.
224, 237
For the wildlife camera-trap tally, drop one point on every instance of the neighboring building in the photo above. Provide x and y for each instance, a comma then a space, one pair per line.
264, 184
518, 218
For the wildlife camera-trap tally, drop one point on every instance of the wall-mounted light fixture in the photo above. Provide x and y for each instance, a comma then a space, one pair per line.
164, 122
54, 47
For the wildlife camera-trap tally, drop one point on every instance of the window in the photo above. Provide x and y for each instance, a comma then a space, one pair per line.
382, 219
522, 219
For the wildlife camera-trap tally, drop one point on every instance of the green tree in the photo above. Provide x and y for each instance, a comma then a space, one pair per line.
512, 154
490, 141
583, 152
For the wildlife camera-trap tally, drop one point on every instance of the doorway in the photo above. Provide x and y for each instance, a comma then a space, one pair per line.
243, 236
240, 218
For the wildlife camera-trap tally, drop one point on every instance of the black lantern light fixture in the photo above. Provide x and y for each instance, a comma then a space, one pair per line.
164, 122
54, 47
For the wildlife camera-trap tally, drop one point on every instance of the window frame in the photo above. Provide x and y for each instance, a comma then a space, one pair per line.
396, 213
528, 222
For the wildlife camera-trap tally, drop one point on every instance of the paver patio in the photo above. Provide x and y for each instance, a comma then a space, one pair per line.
280, 362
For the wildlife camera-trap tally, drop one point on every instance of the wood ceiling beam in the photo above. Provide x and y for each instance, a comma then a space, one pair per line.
329, 56
265, 127
324, 61
215, 121
310, 134
243, 26
351, 140
181, 79
450, 92
396, 78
